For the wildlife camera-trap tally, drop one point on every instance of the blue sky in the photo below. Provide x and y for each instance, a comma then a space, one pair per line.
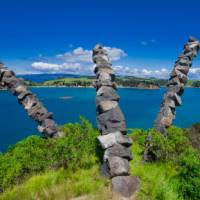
143, 37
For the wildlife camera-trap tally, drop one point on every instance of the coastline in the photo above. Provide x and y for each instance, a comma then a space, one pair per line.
119, 87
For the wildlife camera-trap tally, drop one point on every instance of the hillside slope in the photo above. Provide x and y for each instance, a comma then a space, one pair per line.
67, 168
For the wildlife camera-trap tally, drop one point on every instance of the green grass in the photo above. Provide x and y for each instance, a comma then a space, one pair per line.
156, 179
82, 81
61, 184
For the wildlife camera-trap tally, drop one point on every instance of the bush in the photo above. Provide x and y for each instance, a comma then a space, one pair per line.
35, 154
175, 149
167, 147
189, 174
193, 133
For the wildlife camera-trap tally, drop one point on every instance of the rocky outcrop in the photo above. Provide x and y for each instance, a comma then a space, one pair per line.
175, 85
29, 101
111, 123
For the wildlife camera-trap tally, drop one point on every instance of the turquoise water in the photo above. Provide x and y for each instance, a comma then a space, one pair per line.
140, 108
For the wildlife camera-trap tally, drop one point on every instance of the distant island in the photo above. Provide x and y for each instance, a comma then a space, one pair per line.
121, 81
68, 80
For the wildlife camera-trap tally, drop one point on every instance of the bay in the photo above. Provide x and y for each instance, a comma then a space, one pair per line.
140, 108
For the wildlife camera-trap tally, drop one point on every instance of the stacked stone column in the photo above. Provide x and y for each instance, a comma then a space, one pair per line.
111, 123
29, 101
175, 85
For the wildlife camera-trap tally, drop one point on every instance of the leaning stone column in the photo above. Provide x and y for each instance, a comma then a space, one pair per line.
111, 124
175, 85
29, 101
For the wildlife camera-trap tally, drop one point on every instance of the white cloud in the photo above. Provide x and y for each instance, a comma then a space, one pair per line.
87, 69
141, 72
77, 61
77, 55
115, 53
70, 68
194, 73
77, 68
83, 55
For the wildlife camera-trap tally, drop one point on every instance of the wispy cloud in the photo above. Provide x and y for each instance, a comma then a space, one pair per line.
147, 42
144, 43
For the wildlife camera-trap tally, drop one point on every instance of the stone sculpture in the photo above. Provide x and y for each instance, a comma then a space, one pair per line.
29, 101
175, 85
111, 123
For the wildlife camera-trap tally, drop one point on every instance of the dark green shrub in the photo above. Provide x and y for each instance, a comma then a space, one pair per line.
175, 148
35, 154
139, 135
189, 175
193, 133
167, 147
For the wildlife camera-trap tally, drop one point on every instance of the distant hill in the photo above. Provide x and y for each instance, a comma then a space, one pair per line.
73, 80
38, 78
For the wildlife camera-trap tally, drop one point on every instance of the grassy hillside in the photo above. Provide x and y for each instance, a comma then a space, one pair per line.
87, 82
68, 167
126, 81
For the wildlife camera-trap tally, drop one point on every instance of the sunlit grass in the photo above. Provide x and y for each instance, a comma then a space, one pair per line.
60, 185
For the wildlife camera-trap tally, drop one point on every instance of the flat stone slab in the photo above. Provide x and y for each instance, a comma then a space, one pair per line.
107, 105
118, 166
107, 141
108, 93
110, 139
119, 151
125, 186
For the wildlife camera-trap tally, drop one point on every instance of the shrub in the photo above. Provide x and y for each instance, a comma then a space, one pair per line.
189, 174
35, 154
175, 149
193, 133
167, 147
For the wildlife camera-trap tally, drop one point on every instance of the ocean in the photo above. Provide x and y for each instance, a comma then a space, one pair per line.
139, 106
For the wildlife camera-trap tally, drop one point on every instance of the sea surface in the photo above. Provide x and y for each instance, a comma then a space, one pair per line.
140, 108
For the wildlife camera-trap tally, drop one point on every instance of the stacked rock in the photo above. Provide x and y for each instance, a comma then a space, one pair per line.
30, 102
175, 85
111, 123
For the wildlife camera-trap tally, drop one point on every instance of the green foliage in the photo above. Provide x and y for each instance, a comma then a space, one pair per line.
35, 155
86, 81
189, 174
82, 81
67, 167
193, 133
157, 179
175, 150
168, 147
196, 84
130, 81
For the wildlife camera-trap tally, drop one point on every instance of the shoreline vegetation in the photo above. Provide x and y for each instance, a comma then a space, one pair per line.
122, 82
